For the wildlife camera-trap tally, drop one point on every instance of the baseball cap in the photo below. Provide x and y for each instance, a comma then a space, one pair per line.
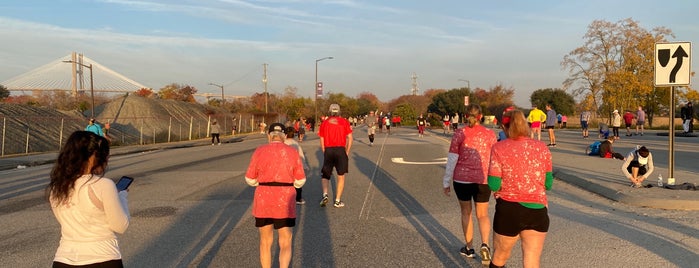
334, 108
277, 127
616, 111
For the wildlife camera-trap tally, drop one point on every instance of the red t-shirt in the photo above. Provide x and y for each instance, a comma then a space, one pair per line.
522, 165
275, 162
628, 118
473, 147
334, 131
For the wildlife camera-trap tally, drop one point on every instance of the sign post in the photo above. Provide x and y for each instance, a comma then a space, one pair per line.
672, 69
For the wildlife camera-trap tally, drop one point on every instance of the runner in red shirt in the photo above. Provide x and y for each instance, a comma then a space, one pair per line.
628, 121
335, 141
467, 169
276, 169
520, 173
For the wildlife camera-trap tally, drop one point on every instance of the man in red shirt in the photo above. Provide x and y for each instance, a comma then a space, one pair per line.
335, 141
628, 120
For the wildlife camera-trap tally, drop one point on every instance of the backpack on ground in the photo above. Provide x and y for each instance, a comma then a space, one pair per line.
593, 149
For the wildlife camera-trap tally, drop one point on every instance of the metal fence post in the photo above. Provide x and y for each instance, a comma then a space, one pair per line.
60, 135
191, 124
26, 146
140, 131
169, 129
4, 125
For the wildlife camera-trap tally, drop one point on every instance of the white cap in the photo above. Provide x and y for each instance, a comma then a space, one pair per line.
334, 108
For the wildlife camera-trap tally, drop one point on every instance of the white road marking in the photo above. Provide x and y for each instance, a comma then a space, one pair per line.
400, 160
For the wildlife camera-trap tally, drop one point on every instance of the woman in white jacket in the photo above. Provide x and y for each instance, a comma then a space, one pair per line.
86, 205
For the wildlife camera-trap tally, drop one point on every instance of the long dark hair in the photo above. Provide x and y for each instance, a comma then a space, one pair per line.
72, 162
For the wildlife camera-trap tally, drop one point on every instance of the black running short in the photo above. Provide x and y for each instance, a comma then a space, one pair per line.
511, 218
334, 157
278, 223
106, 264
641, 169
479, 193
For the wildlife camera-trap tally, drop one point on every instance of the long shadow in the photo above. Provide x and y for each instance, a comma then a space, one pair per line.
221, 229
434, 233
669, 249
224, 225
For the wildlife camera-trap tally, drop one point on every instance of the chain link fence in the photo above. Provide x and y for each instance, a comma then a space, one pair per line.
34, 134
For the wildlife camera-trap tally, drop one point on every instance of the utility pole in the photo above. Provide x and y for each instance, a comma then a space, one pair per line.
223, 99
264, 81
414, 90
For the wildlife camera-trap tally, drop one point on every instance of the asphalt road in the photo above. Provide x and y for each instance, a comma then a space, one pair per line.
190, 207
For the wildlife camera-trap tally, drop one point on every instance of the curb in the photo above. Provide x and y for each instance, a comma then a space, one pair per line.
634, 200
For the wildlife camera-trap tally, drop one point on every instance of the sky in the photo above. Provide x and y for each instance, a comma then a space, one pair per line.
376, 45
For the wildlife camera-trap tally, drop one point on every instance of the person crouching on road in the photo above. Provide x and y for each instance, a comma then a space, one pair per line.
638, 166
467, 167
520, 172
277, 171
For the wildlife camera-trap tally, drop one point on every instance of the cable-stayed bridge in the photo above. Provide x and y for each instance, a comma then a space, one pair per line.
72, 73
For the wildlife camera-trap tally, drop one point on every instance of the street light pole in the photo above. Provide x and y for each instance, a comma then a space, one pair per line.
468, 83
315, 90
92, 88
222, 97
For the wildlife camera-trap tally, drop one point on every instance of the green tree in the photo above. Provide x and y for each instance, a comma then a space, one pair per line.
449, 102
560, 100
4, 93
348, 105
407, 113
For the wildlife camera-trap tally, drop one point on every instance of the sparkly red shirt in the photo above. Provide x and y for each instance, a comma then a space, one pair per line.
472, 144
275, 162
522, 165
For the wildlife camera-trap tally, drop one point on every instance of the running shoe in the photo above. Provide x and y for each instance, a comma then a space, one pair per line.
324, 200
468, 252
301, 202
339, 204
485, 254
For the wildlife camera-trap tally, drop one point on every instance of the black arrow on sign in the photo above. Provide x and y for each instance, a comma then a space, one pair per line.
679, 54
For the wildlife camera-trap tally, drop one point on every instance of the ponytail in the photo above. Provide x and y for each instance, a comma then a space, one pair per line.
474, 114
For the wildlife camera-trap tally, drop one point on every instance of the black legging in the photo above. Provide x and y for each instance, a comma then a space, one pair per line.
615, 130
215, 135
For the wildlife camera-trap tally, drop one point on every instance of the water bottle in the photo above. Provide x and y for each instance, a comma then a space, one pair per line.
660, 180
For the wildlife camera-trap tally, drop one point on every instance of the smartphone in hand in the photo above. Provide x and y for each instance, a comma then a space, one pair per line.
124, 183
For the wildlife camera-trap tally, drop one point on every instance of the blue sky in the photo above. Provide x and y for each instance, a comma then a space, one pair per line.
376, 45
